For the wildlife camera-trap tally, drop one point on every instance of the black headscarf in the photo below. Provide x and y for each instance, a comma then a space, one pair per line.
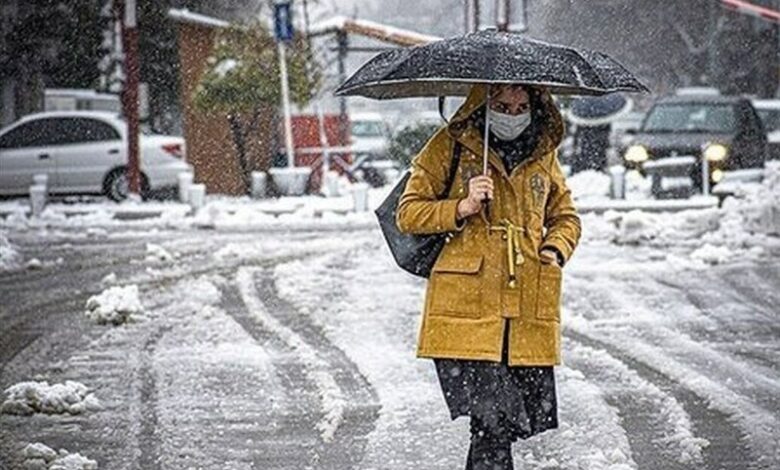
513, 152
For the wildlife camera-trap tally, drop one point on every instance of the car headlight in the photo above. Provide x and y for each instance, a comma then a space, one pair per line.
716, 152
636, 154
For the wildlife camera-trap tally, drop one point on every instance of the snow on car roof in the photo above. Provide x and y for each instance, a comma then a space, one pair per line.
103, 115
766, 104
703, 99
366, 116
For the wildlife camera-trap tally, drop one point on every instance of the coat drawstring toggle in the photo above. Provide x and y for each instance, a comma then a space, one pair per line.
511, 233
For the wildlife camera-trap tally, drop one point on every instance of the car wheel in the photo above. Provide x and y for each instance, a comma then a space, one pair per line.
116, 185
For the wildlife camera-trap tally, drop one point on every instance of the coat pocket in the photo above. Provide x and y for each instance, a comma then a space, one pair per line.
548, 301
456, 286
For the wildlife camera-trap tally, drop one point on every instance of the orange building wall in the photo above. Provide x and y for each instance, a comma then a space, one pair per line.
210, 146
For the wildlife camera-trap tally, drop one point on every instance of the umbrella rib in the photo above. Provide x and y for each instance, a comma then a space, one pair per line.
381, 83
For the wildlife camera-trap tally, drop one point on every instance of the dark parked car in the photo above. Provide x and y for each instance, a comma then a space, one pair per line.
769, 111
724, 131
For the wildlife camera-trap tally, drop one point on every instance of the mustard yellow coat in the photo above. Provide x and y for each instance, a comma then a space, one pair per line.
470, 292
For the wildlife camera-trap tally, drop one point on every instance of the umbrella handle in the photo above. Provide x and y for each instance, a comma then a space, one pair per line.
486, 205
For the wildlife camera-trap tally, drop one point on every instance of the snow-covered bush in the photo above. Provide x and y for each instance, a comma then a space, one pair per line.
39, 456
26, 398
115, 305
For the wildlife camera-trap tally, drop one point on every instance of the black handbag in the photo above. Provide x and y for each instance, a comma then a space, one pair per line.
415, 254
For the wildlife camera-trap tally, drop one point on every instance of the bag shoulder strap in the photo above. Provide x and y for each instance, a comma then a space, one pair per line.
456, 151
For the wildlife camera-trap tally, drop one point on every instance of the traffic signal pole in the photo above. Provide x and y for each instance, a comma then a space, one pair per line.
130, 93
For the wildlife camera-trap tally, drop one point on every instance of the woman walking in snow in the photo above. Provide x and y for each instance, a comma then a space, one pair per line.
491, 319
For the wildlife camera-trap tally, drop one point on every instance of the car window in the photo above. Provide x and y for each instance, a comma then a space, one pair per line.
38, 133
58, 131
81, 130
770, 118
691, 117
367, 129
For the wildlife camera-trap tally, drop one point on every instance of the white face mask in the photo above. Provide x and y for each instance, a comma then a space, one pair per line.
508, 126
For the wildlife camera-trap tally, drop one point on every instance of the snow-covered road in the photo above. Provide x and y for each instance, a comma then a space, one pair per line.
272, 349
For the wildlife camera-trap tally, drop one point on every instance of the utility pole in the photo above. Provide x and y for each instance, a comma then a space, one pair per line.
130, 92
343, 47
503, 13
507, 16
471, 16
477, 15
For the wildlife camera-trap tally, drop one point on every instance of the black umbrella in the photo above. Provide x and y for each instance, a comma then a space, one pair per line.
451, 66
590, 111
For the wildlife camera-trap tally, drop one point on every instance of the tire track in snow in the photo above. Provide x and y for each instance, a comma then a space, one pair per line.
292, 440
740, 436
720, 331
333, 398
762, 349
728, 447
658, 428
147, 438
349, 404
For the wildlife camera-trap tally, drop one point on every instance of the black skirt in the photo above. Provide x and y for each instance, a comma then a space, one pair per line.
518, 400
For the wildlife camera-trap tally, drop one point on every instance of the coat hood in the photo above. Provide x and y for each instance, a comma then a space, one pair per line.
552, 131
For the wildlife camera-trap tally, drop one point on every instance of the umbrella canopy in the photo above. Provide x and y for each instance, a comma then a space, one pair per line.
451, 66
593, 111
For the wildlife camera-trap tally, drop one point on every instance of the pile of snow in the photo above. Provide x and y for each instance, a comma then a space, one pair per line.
637, 186
636, 227
108, 279
9, 257
41, 457
26, 398
756, 207
660, 229
33, 264
115, 305
712, 254
747, 222
156, 253
589, 184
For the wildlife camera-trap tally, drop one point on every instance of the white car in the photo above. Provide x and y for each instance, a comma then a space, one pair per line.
370, 135
84, 152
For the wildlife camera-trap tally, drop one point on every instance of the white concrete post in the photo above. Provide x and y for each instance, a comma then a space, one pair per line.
37, 199
185, 181
41, 179
197, 196
259, 184
618, 186
360, 197
331, 183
